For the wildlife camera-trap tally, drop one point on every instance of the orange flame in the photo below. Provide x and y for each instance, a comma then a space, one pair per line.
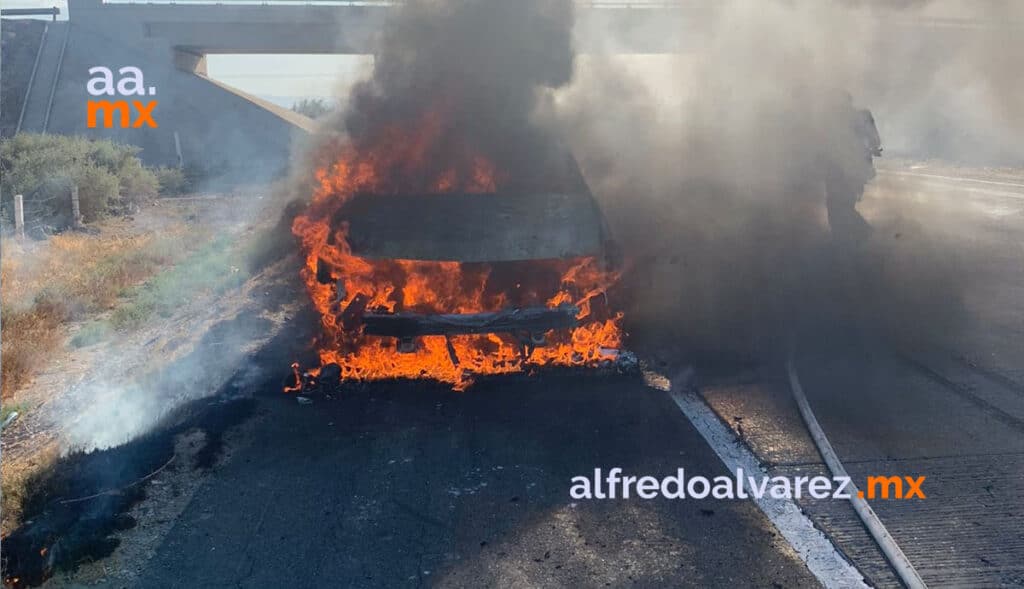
396, 162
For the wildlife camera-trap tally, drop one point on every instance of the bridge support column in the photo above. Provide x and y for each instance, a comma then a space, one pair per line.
190, 62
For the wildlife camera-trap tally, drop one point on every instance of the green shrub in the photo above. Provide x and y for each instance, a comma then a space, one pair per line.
44, 167
138, 184
171, 180
91, 333
96, 189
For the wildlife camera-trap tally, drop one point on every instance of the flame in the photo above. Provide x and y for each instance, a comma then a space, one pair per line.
396, 161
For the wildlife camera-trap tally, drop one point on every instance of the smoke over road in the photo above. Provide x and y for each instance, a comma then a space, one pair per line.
711, 163
710, 166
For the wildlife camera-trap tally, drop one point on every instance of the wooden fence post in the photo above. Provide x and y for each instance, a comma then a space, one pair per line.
76, 212
177, 150
19, 216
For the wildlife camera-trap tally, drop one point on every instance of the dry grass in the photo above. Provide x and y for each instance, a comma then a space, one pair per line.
46, 286
134, 271
68, 278
21, 481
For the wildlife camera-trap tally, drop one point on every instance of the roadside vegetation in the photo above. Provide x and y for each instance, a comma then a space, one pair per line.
46, 288
136, 263
47, 285
115, 285
218, 266
73, 277
110, 178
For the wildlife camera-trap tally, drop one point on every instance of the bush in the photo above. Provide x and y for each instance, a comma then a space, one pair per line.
91, 333
44, 167
138, 184
96, 188
29, 335
74, 277
171, 180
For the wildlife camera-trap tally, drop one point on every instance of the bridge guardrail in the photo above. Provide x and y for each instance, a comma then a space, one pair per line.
386, 3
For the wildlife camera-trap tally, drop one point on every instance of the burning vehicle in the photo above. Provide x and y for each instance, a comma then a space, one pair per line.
452, 271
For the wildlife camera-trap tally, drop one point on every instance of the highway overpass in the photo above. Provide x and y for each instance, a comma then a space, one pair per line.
350, 27
206, 123
203, 122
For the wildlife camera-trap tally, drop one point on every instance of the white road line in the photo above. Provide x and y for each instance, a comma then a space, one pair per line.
811, 544
952, 178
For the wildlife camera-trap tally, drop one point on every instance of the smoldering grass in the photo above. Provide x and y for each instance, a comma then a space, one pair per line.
56, 527
217, 267
66, 509
21, 482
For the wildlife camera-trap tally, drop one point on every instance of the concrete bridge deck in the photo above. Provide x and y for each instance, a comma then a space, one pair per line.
212, 125
638, 27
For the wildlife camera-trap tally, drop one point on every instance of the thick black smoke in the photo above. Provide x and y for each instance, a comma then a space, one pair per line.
711, 165
712, 168
464, 76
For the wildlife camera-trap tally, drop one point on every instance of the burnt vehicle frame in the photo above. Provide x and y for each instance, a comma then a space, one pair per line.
504, 227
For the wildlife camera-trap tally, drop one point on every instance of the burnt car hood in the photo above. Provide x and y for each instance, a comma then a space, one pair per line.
462, 227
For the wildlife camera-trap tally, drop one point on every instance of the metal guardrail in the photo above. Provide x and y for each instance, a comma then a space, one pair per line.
892, 17
645, 4
54, 11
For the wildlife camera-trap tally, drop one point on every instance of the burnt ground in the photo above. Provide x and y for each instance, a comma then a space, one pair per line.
74, 508
83, 499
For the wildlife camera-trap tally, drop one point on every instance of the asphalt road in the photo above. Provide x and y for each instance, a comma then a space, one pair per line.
407, 484
948, 406
411, 485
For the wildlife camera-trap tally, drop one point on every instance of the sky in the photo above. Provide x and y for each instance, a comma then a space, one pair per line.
284, 79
